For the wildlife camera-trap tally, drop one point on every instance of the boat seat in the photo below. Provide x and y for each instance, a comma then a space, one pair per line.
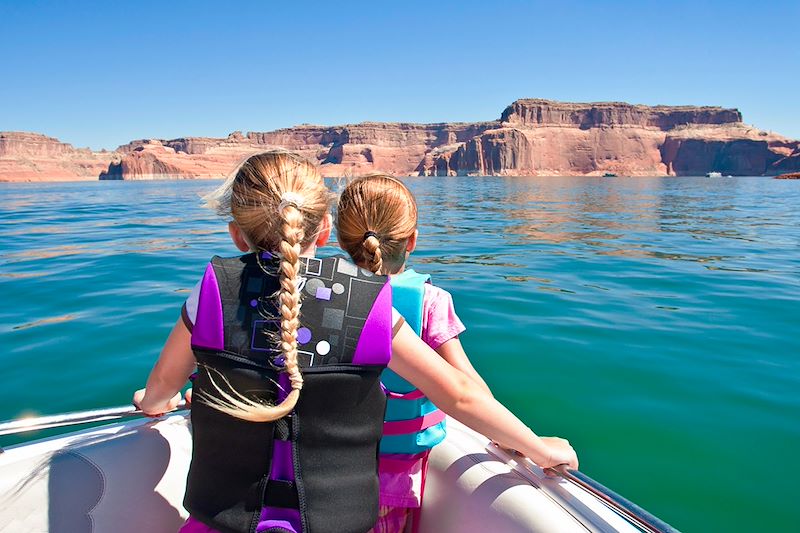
120, 478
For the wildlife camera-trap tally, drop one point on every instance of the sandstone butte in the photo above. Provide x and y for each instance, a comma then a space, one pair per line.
531, 137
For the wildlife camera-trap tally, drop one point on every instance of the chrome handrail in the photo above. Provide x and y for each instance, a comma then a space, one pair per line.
622, 506
23, 425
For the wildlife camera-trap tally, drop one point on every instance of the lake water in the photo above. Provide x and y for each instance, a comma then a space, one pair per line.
652, 321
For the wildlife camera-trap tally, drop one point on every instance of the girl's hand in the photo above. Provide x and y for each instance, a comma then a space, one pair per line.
140, 400
559, 452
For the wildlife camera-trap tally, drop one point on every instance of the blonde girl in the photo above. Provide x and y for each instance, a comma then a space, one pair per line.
288, 407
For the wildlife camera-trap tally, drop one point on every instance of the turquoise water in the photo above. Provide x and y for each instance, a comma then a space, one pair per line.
652, 321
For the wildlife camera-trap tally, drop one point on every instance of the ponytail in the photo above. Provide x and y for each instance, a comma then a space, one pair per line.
372, 247
372, 205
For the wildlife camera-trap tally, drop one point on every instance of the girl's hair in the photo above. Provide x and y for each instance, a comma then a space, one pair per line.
279, 201
375, 217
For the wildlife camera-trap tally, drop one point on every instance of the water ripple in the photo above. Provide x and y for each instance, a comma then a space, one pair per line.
653, 321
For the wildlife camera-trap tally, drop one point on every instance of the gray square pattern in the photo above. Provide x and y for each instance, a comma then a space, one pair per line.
332, 318
313, 266
347, 268
352, 311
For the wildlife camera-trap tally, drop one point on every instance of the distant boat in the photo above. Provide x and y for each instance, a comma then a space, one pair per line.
609, 175
713, 174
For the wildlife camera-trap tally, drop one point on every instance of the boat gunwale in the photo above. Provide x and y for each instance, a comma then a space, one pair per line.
125, 418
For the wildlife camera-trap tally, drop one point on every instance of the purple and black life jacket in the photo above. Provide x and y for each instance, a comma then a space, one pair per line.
316, 469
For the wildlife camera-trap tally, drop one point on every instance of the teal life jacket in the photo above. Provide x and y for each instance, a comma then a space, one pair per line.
413, 424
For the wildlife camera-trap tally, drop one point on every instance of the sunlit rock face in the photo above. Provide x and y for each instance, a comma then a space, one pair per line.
531, 137
542, 137
34, 157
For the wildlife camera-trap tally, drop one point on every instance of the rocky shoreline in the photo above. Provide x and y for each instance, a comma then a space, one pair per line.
531, 137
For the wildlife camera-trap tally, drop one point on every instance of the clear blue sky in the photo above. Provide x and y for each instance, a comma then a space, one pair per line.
99, 74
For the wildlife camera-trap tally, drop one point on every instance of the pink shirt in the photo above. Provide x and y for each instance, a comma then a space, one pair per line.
439, 320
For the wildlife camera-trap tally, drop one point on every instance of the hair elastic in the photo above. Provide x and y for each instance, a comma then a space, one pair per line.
290, 199
369, 234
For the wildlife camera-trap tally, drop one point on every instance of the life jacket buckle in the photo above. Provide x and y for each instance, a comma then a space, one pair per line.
281, 493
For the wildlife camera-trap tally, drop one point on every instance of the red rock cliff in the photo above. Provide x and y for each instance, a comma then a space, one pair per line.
542, 137
34, 157
532, 137
397, 148
537, 112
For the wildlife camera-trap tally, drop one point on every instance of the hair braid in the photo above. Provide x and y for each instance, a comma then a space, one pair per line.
374, 257
263, 185
289, 296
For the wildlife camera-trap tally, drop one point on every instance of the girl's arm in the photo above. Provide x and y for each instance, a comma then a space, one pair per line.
465, 400
441, 328
454, 354
170, 373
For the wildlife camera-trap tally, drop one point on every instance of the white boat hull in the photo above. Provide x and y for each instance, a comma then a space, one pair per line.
127, 477
130, 477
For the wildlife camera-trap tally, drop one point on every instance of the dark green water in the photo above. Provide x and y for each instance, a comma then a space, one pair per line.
653, 322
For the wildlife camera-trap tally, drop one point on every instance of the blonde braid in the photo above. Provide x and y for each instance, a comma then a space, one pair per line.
267, 183
238, 405
289, 296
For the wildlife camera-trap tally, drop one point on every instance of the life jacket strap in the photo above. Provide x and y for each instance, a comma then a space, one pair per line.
415, 394
280, 493
397, 463
402, 427
283, 428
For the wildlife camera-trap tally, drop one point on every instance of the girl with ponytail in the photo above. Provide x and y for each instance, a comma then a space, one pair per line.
376, 224
288, 407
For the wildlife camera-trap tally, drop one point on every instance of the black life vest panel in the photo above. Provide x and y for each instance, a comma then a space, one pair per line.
313, 471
